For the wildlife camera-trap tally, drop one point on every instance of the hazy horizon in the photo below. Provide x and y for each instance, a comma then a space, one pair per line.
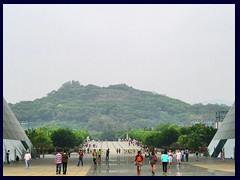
185, 51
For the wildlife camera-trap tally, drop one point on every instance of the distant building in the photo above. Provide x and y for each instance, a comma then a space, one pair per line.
205, 122
14, 138
220, 115
223, 143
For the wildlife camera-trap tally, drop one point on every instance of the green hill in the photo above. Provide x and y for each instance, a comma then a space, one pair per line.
109, 108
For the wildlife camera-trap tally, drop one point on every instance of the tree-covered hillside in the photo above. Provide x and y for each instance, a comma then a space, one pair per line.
109, 108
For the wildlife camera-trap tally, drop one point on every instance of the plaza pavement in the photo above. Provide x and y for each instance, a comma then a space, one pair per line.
121, 165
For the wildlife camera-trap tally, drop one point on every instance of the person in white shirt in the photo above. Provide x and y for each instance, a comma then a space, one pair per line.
182, 152
178, 156
170, 156
27, 158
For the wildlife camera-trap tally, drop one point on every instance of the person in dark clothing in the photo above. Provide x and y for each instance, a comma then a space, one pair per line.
196, 154
152, 162
64, 161
107, 154
186, 154
7, 155
17, 158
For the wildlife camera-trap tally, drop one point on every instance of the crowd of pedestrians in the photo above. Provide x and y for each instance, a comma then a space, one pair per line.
166, 160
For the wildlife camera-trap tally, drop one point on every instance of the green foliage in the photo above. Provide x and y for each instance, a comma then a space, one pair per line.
139, 134
164, 126
152, 139
39, 138
64, 138
112, 135
182, 140
80, 135
116, 107
169, 136
173, 136
196, 136
54, 136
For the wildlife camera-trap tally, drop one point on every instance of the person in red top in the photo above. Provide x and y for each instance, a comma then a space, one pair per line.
138, 162
80, 158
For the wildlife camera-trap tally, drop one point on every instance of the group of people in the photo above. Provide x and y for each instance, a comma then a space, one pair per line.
153, 161
166, 160
27, 157
7, 157
97, 155
180, 155
118, 150
61, 160
184, 153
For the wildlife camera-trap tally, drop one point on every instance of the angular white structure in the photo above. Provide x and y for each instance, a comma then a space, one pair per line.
224, 139
14, 137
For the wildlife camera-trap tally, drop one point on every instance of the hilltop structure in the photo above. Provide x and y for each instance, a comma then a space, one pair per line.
223, 143
15, 139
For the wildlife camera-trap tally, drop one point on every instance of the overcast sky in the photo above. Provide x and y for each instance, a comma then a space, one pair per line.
186, 52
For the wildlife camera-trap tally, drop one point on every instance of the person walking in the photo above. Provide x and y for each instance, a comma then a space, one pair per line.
58, 162
196, 154
99, 154
222, 154
107, 154
64, 161
182, 153
170, 157
80, 157
152, 161
178, 156
164, 158
94, 155
17, 158
7, 156
186, 154
27, 158
138, 162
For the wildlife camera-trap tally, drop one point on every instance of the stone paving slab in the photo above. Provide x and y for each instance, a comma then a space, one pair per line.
121, 165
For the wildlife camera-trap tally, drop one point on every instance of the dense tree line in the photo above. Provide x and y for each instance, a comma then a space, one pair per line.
164, 136
171, 136
50, 138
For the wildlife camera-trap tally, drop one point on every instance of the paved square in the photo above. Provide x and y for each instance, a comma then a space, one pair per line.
120, 165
